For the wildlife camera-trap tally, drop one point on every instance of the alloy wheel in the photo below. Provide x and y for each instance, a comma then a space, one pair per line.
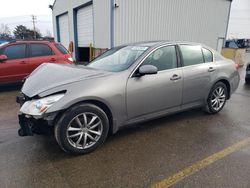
84, 130
218, 98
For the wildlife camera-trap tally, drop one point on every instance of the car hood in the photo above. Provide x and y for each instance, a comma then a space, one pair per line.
48, 76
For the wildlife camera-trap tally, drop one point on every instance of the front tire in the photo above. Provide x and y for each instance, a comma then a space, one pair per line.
216, 98
82, 129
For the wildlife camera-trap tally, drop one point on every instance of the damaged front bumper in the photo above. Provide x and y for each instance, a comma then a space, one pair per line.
30, 125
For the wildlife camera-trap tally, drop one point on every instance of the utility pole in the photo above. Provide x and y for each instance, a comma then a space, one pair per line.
34, 25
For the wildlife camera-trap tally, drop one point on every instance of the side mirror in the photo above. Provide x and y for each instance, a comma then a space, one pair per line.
148, 69
3, 58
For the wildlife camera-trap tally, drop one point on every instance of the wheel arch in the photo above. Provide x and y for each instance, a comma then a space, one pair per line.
99, 104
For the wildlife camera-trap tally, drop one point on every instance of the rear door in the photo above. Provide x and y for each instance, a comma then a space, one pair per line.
40, 53
196, 75
15, 68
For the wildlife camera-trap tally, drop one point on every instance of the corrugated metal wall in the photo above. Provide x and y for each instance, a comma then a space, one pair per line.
62, 6
139, 20
192, 20
85, 26
101, 23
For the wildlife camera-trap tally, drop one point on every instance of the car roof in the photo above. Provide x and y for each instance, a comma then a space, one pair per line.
32, 41
26, 42
153, 44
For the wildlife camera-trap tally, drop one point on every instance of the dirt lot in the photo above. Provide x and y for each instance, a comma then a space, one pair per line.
138, 156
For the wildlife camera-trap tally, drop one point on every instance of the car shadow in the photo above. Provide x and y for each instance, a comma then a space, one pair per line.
246, 86
11, 87
53, 150
157, 123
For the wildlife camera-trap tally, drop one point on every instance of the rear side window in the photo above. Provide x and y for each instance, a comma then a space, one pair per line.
15, 51
163, 58
37, 50
191, 55
208, 56
61, 48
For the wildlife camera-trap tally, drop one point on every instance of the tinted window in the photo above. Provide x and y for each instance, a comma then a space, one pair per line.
163, 58
208, 56
15, 51
191, 55
61, 48
40, 50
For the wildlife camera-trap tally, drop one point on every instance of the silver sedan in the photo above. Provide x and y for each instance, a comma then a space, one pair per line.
126, 85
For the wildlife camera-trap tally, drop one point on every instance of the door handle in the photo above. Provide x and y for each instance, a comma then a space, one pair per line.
52, 59
211, 69
175, 77
23, 62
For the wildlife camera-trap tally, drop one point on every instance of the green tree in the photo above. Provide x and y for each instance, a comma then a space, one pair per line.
22, 32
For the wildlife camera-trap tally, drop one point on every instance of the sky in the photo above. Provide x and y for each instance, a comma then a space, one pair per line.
239, 22
16, 12
21, 11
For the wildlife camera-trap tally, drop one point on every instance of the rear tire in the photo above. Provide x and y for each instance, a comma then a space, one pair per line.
81, 129
216, 98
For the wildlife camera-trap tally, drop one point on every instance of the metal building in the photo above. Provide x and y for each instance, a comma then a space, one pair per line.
108, 23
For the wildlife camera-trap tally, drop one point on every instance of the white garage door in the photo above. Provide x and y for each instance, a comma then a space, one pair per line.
85, 26
64, 30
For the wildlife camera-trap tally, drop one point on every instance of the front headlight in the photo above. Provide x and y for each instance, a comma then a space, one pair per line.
39, 106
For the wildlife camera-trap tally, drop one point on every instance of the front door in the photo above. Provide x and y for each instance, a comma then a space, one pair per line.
154, 93
15, 68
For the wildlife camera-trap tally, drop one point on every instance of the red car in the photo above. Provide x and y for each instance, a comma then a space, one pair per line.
18, 59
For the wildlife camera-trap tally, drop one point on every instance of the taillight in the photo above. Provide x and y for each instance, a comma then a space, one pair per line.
237, 66
68, 56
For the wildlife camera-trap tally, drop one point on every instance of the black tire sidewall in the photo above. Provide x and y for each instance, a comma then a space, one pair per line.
62, 124
209, 104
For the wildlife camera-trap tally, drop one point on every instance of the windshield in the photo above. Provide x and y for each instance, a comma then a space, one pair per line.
118, 59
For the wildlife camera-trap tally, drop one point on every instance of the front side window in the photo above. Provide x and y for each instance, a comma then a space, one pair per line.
208, 56
163, 58
118, 59
15, 51
191, 55
37, 50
